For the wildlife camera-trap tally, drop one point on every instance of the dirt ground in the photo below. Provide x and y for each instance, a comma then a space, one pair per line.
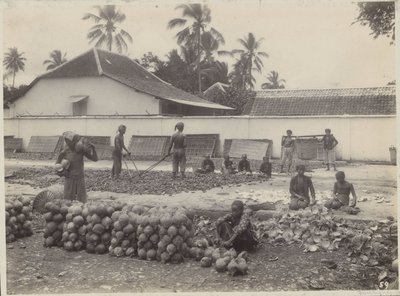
31, 268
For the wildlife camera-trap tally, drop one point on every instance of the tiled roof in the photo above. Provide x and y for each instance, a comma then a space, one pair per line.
316, 102
97, 62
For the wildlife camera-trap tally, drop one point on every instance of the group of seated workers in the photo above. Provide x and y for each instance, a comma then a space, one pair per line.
228, 167
235, 229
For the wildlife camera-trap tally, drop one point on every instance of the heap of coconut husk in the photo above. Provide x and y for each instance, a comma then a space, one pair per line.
317, 229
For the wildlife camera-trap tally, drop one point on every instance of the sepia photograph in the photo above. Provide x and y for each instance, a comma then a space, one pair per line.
199, 146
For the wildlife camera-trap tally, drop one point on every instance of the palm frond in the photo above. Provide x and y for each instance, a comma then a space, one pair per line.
91, 16
183, 36
177, 22
93, 35
225, 53
263, 54
218, 36
126, 35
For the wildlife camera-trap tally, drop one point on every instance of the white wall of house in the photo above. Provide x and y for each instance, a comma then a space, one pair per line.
106, 97
360, 138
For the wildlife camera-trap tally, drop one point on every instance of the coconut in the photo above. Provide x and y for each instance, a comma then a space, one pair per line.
242, 266
107, 222
154, 239
151, 254
148, 245
142, 254
165, 257
232, 267
128, 229
176, 258
130, 252
123, 219
148, 230
100, 249
172, 231
98, 229
177, 241
171, 249
205, 262
220, 265
118, 252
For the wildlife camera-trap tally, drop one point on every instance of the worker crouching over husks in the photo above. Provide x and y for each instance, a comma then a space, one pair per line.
74, 184
244, 165
227, 166
178, 144
300, 188
236, 230
207, 166
341, 193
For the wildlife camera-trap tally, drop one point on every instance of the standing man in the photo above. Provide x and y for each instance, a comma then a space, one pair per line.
74, 184
178, 143
288, 150
119, 146
330, 144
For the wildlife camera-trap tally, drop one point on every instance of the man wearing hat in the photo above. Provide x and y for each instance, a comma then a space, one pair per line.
71, 161
178, 144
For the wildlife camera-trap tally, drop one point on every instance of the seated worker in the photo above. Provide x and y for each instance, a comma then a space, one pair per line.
227, 167
266, 167
300, 186
244, 164
341, 193
236, 230
207, 166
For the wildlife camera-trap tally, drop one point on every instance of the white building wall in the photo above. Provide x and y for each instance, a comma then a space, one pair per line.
106, 97
360, 138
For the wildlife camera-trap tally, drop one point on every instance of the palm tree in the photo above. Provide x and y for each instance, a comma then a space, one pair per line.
56, 59
14, 62
199, 17
273, 81
249, 58
106, 31
217, 72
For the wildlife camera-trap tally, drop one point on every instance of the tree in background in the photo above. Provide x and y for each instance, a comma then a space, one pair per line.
106, 31
274, 82
199, 17
10, 94
379, 17
14, 62
233, 97
56, 59
250, 59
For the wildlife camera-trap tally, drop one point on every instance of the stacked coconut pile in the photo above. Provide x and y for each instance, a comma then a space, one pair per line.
18, 218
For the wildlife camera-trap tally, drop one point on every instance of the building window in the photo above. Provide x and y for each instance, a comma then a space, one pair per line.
79, 105
79, 108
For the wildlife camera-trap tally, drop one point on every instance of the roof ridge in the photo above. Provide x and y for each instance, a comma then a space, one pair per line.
96, 57
63, 64
319, 89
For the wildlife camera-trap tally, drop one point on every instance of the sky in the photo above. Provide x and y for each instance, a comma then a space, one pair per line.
311, 44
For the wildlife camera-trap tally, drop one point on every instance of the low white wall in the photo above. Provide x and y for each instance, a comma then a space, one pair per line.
360, 138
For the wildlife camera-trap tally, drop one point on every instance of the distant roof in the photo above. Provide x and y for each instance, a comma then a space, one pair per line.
98, 62
316, 102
